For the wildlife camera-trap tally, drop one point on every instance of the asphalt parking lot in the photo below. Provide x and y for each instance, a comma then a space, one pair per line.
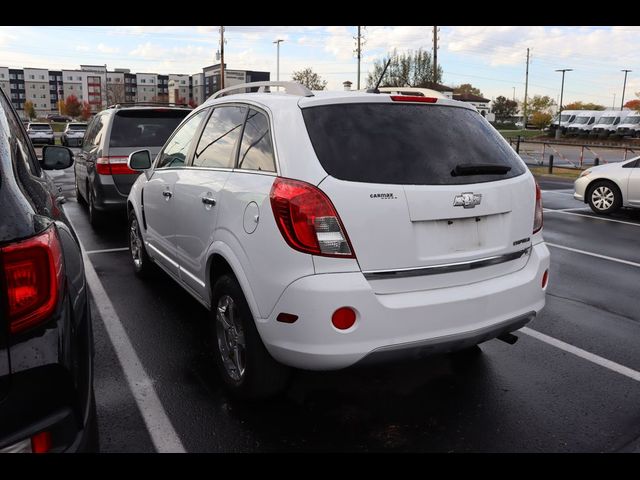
570, 384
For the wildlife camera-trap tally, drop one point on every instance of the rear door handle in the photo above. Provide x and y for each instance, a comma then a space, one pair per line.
208, 200
167, 194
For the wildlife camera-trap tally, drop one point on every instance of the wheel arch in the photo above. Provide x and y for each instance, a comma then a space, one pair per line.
614, 183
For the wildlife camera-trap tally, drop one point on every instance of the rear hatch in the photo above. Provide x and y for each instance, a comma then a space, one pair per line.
136, 129
428, 193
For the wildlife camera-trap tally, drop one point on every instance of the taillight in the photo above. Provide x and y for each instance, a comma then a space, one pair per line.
413, 98
33, 273
537, 216
113, 166
307, 219
41, 442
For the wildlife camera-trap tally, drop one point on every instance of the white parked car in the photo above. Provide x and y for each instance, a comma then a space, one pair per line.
328, 229
40, 133
608, 187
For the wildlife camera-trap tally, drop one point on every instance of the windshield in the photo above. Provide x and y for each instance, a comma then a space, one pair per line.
565, 118
406, 143
633, 120
606, 120
581, 120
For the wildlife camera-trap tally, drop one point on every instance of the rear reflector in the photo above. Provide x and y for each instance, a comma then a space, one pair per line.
33, 274
41, 442
545, 279
116, 165
343, 318
307, 219
411, 98
287, 317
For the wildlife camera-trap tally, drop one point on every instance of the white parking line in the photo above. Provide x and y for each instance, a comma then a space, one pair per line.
591, 254
108, 250
549, 210
591, 357
163, 435
557, 192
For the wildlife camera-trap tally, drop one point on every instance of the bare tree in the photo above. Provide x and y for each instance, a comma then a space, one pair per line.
115, 93
309, 79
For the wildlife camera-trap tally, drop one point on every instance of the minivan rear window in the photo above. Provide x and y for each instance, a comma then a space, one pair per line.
406, 144
144, 128
40, 126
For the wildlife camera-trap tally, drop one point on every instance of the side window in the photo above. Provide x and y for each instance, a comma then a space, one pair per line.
591, 120
25, 156
217, 145
92, 130
616, 121
256, 150
175, 152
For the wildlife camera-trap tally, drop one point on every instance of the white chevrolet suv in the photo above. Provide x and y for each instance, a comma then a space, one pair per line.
328, 229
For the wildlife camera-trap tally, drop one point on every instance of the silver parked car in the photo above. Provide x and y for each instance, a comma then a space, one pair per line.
608, 187
73, 134
40, 133
103, 179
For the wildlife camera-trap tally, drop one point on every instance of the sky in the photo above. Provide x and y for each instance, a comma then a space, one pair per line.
492, 58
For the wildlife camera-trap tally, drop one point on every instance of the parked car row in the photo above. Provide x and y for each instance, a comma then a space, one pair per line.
599, 123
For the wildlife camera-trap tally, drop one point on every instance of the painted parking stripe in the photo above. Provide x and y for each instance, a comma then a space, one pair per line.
557, 192
108, 250
549, 210
591, 357
163, 435
591, 254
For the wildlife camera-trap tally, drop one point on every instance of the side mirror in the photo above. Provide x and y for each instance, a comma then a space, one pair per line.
56, 158
139, 160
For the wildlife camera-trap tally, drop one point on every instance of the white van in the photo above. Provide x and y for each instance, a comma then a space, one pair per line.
630, 126
608, 122
567, 117
584, 122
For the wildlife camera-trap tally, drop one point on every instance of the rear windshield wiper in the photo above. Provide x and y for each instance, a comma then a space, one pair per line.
463, 169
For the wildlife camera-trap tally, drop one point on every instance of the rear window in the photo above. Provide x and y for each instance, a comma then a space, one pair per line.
39, 127
144, 128
406, 144
78, 127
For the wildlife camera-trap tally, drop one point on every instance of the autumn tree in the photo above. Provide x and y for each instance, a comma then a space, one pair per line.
62, 108
85, 112
29, 109
467, 88
412, 69
540, 119
582, 106
633, 104
504, 108
72, 106
309, 79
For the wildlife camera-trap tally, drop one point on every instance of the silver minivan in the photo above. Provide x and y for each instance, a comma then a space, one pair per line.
102, 177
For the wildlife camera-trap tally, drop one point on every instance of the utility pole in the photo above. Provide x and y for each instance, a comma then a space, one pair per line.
514, 94
624, 87
559, 128
613, 107
359, 52
435, 54
526, 87
278, 42
221, 57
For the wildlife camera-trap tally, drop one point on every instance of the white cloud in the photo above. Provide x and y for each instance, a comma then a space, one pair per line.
83, 48
102, 48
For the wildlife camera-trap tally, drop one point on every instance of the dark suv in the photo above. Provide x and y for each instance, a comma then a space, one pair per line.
103, 179
46, 339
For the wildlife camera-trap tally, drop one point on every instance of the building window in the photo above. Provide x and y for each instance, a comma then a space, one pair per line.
32, 77
20, 76
43, 86
59, 78
32, 86
69, 77
43, 96
79, 79
1, 75
41, 77
142, 80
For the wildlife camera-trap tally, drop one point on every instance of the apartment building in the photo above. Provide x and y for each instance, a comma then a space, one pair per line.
100, 87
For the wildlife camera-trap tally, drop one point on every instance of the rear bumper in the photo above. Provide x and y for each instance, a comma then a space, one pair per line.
106, 195
441, 319
42, 140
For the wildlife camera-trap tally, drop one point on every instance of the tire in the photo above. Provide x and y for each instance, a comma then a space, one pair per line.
142, 264
95, 216
604, 197
248, 371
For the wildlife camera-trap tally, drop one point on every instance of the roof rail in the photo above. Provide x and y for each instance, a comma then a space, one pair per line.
292, 88
147, 104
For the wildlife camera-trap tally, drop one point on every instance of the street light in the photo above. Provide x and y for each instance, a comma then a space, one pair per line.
277, 42
559, 128
624, 87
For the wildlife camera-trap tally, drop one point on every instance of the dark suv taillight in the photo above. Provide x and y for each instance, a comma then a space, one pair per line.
113, 165
307, 219
33, 275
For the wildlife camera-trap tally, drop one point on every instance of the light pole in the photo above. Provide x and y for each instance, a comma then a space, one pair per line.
278, 42
624, 86
559, 128
514, 94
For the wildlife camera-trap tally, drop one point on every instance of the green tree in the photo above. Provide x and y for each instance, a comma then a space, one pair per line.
540, 104
29, 109
468, 88
72, 106
309, 79
504, 108
412, 69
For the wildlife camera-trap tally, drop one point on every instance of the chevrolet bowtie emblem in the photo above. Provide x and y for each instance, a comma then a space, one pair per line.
467, 200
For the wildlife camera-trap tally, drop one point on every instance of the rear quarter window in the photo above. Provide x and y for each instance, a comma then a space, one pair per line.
406, 144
